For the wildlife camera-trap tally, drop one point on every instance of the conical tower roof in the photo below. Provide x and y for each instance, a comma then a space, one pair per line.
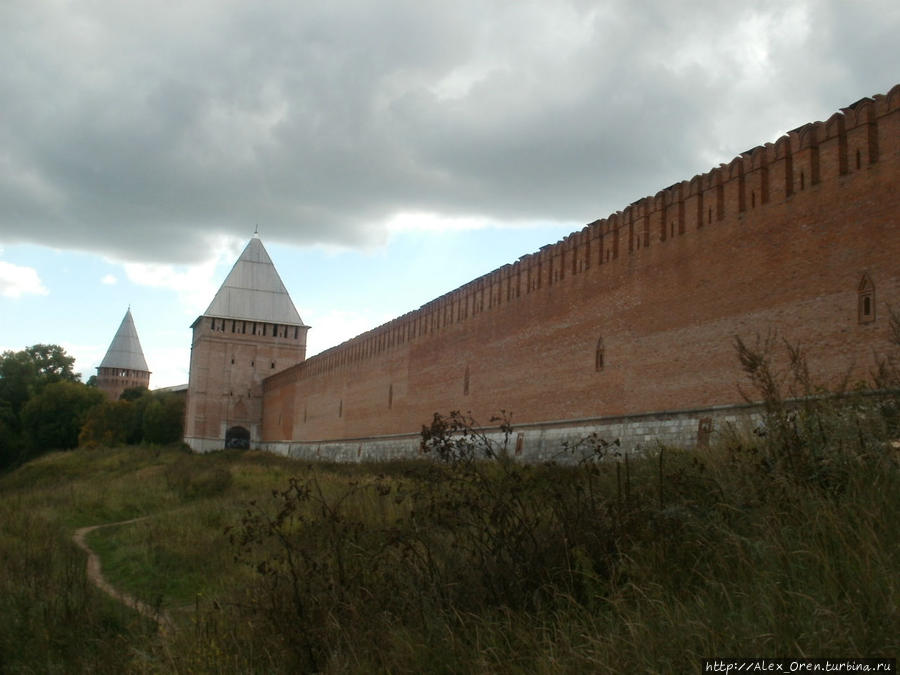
253, 291
125, 350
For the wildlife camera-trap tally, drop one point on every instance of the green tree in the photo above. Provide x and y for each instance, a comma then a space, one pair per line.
133, 393
23, 375
52, 364
53, 418
108, 424
164, 419
138, 406
11, 440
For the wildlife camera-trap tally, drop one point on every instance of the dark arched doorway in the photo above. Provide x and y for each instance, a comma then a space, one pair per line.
237, 438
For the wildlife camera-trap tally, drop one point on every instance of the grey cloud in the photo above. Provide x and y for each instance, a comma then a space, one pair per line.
143, 134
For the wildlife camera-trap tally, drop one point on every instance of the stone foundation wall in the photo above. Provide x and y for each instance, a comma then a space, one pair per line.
548, 441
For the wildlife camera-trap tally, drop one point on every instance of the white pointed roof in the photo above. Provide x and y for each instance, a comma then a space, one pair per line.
253, 291
125, 350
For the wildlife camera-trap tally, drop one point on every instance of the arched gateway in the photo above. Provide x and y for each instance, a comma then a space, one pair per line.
237, 438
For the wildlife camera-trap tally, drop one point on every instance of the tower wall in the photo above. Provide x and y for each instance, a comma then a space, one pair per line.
229, 360
114, 381
638, 312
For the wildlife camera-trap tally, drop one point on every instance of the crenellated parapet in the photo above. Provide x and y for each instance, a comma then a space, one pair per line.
799, 165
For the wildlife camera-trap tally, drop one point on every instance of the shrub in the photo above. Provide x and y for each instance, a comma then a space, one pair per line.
190, 481
107, 424
811, 436
163, 420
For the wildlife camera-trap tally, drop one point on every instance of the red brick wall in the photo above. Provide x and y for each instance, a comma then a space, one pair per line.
776, 240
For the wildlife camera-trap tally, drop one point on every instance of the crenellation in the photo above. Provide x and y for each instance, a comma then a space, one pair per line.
494, 294
783, 170
525, 264
858, 143
593, 258
550, 264
734, 187
604, 242
811, 136
681, 190
889, 102
800, 162
761, 159
865, 114
543, 267
643, 221
508, 272
695, 197
628, 217
559, 261
834, 148
577, 252
659, 215
614, 223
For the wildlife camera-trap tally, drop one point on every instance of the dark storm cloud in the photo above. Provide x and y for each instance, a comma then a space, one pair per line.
143, 131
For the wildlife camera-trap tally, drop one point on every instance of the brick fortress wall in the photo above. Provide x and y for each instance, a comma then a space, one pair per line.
634, 316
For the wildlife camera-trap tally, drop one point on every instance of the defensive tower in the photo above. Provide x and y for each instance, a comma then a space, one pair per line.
124, 366
250, 330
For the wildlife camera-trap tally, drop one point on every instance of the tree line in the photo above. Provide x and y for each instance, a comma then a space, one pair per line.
45, 406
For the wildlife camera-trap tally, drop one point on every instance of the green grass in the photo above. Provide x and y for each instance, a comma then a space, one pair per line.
460, 567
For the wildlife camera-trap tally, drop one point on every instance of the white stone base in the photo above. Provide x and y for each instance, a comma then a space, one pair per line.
204, 445
559, 441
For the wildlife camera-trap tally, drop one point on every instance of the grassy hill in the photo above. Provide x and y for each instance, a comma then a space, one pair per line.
781, 544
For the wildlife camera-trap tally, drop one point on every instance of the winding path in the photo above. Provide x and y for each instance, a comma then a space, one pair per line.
95, 576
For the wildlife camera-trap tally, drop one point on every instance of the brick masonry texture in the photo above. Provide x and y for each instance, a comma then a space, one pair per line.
229, 361
114, 381
631, 321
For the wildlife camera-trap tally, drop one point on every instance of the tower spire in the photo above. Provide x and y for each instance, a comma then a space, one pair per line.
253, 291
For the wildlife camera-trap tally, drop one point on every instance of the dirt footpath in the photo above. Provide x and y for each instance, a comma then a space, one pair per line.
95, 575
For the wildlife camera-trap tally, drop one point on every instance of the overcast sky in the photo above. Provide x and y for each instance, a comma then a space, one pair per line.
375, 143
